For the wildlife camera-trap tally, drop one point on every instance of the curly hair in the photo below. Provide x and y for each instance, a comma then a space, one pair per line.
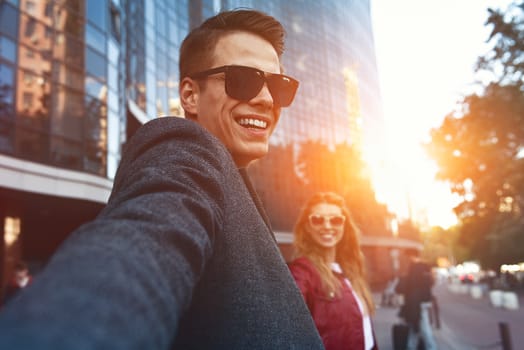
348, 253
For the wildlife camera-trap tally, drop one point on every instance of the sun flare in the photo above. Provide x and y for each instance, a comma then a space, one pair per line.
405, 181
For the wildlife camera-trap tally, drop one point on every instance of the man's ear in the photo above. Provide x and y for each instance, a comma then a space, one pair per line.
189, 92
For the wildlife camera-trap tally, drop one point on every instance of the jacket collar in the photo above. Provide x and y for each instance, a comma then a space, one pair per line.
256, 199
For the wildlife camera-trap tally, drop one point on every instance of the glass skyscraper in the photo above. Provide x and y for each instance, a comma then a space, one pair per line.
78, 77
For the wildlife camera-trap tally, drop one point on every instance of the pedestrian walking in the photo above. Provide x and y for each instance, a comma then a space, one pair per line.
416, 287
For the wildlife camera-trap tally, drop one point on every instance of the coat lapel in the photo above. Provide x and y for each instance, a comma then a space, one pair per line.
256, 200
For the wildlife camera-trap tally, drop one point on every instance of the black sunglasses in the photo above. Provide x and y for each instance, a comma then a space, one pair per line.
318, 220
244, 83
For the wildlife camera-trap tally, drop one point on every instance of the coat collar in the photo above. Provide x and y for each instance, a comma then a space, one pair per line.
256, 199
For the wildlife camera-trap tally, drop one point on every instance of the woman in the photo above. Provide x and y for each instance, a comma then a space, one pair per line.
329, 270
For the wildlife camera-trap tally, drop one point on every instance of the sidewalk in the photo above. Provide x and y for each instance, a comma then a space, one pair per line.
384, 319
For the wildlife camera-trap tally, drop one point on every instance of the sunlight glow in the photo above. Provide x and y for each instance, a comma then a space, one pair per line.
426, 52
401, 182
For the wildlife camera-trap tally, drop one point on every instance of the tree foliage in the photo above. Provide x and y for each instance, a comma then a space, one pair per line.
409, 230
441, 248
479, 147
505, 60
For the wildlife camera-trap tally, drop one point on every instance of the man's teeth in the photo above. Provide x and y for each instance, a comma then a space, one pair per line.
253, 123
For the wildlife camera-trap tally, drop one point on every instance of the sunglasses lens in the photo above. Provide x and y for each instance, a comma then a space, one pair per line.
337, 220
316, 220
243, 83
282, 89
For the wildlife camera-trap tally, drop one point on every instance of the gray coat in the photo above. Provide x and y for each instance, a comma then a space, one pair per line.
181, 257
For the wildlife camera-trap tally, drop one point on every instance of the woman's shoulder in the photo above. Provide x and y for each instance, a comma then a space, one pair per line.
305, 274
303, 266
301, 261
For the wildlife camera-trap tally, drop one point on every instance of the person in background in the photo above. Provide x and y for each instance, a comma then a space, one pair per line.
182, 256
416, 287
389, 295
21, 279
329, 270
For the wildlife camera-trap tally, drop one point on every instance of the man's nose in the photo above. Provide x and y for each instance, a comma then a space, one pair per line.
264, 96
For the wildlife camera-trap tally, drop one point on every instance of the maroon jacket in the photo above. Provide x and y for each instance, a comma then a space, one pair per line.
338, 319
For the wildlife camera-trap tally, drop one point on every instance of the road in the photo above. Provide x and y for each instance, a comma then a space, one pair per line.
466, 323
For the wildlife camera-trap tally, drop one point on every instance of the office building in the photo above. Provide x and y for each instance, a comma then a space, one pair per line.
78, 77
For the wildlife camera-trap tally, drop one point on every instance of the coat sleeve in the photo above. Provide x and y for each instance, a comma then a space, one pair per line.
123, 280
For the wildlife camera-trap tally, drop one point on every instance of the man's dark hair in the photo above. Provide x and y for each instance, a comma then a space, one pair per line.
197, 49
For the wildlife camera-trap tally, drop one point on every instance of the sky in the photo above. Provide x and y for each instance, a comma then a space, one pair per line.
426, 51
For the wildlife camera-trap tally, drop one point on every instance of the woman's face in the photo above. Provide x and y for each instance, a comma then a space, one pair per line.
326, 224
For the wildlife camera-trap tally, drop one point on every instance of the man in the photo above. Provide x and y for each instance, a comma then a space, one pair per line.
416, 287
182, 256
21, 279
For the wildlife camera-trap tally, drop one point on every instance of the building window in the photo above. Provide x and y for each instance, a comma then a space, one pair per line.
6, 90
29, 78
115, 22
96, 65
95, 88
48, 11
97, 12
8, 20
30, 7
27, 101
95, 38
30, 29
67, 127
68, 76
7, 49
74, 52
95, 136
29, 53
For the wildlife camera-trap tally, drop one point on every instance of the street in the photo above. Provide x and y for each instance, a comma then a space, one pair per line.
466, 323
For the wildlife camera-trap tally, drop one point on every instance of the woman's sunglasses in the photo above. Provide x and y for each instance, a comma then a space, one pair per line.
244, 83
319, 220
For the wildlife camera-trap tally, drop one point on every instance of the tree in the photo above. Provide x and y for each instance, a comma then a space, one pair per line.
479, 147
407, 229
441, 246
505, 61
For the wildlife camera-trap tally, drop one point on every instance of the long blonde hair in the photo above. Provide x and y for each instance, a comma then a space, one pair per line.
348, 253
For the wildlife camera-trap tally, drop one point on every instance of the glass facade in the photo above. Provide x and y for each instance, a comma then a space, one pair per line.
330, 53
61, 81
68, 67
322, 51
77, 77
155, 30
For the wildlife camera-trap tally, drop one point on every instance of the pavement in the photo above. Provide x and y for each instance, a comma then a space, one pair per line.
466, 323
386, 317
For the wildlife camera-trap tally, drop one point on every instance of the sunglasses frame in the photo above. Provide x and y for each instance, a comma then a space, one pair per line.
265, 76
326, 217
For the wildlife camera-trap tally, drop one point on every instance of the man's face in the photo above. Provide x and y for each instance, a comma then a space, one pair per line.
243, 126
